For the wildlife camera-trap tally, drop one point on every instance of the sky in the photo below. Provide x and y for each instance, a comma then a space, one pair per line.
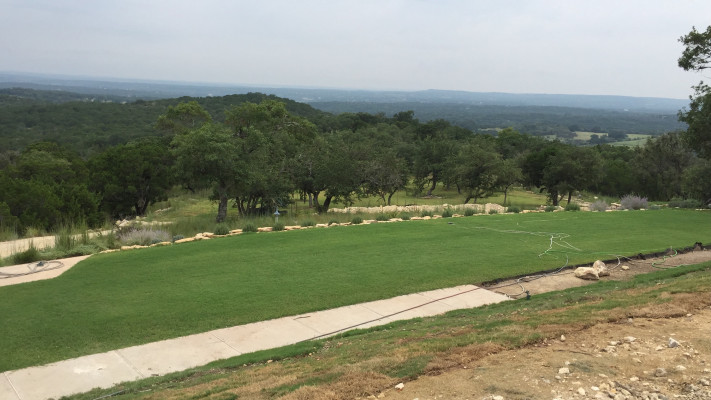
620, 47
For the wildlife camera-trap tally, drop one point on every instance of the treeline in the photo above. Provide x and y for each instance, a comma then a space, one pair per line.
561, 122
255, 156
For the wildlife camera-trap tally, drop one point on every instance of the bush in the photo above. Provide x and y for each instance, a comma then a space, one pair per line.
335, 221
310, 223
249, 227
178, 237
278, 226
222, 229
405, 217
684, 203
447, 213
599, 205
143, 237
633, 202
572, 207
426, 213
550, 208
356, 220
27, 256
469, 212
514, 209
382, 217
492, 212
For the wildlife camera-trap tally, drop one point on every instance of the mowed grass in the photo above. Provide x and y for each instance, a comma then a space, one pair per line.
121, 299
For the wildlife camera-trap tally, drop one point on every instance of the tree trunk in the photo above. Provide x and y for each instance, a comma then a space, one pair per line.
434, 184
467, 199
390, 196
506, 189
326, 204
570, 194
311, 200
222, 208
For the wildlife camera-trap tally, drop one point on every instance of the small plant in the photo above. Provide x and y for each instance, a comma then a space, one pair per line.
27, 256
335, 221
178, 237
426, 213
382, 217
549, 209
249, 227
633, 202
492, 212
447, 213
572, 207
143, 237
310, 223
469, 212
278, 226
514, 209
356, 220
405, 217
599, 205
222, 229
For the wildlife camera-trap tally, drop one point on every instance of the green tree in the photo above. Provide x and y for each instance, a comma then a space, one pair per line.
659, 166
697, 57
477, 169
696, 183
131, 177
508, 174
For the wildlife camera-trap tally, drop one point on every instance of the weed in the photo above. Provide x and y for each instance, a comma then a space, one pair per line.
426, 213
27, 256
514, 209
550, 208
469, 212
447, 213
308, 223
357, 220
335, 221
382, 217
143, 237
405, 217
278, 226
492, 212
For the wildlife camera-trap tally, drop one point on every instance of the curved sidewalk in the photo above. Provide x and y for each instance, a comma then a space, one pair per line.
111, 368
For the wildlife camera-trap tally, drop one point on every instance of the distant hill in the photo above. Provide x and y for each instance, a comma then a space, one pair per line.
149, 90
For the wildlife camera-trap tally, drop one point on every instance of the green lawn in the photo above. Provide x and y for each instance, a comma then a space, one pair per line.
116, 300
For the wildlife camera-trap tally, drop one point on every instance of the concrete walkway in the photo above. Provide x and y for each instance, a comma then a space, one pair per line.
108, 369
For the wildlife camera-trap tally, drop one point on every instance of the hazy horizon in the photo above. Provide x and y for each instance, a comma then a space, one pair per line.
520, 47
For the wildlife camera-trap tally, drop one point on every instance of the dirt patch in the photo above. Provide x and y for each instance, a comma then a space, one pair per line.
631, 359
535, 284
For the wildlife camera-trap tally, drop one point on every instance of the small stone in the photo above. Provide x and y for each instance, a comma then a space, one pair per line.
634, 379
595, 388
659, 348
497, 398
704, 382
660, 372
562, 338
400, 386
581, 391
673, 343
625, 267
614, 343
604, 386
629, 339
680, 368
563, 371
637, 360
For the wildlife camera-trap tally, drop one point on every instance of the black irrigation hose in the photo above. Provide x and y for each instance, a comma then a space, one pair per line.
34, 268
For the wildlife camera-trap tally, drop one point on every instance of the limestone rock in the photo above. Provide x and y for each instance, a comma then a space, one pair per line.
563, 371
601, 268
587, 273
625, 267
660, 372
673, 343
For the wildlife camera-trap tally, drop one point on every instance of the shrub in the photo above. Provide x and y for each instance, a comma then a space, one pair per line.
572, 207
405, 217
599, 205
310, 223
27, 256
382, 217
514, 209
550, 208
278, 226
469, 212
492, 212
684, 203
178, 237
447, 213
143, 237
249, 227
222, 229
335, 221
356, 220
426, 213
633, 202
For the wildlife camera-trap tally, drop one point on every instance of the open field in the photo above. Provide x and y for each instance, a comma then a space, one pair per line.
121, 299
511, 349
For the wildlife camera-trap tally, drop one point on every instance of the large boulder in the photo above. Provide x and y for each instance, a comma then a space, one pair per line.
588, 273
601, 268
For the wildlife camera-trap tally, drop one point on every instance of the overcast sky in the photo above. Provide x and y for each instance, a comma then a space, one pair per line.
620, 47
